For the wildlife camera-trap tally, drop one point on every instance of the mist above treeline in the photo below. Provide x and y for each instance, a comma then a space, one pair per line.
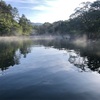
84, 21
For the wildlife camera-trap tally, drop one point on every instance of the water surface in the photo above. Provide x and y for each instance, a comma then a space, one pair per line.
49, 70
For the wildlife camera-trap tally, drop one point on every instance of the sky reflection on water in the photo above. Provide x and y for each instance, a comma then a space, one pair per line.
44, 72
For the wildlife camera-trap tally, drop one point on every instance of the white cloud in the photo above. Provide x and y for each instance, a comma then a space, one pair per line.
41, 7
23, 1
60, 10
50, 10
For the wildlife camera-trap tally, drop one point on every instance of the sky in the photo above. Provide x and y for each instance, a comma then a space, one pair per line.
40, 11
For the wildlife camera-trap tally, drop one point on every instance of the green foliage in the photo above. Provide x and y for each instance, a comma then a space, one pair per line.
56, 28
11, 23
26, 25
85, 20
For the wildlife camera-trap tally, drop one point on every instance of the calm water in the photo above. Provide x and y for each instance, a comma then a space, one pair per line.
49, 70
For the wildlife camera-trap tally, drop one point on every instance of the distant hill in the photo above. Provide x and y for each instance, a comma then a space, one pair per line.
37, 24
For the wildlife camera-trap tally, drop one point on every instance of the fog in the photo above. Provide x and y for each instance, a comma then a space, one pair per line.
13, 38
82, 41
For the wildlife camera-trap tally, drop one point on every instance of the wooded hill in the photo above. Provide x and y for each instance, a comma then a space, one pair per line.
11, 23
84, 21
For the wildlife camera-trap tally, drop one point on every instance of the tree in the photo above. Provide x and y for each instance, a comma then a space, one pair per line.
26, 25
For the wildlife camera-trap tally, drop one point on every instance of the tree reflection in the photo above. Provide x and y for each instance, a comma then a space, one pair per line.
84, 58
87, 58
10, 53
94, 62
24, 49
78, 61
89, 61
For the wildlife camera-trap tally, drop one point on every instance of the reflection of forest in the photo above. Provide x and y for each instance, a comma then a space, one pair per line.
10, 53
77, 60
88, 57
85, 58
90, 61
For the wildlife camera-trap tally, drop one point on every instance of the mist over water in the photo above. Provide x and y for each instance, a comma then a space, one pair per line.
49, 69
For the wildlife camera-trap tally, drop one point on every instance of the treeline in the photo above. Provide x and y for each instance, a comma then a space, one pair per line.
11, 23
85, 20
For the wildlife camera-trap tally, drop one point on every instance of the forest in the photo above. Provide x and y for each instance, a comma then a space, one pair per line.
11, 23
84, 21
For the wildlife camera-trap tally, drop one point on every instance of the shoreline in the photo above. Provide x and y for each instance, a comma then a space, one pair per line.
46, 37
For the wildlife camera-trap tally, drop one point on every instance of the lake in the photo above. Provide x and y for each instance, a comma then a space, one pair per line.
49, 70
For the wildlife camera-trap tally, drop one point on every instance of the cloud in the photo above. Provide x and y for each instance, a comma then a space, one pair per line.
38, 8
23, 1
39, 5
46, 10
37, 2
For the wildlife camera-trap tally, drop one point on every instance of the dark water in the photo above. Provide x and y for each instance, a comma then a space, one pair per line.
49, 70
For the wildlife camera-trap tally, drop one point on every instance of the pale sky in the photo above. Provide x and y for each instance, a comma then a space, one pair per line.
46, 10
